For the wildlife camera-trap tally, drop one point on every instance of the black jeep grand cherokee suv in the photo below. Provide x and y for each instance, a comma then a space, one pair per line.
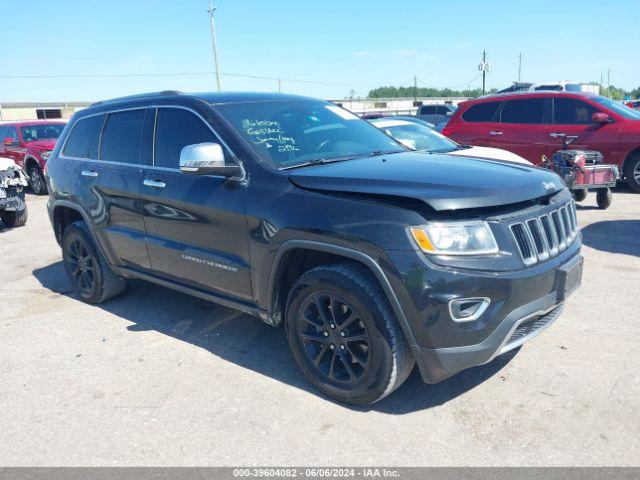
372, 256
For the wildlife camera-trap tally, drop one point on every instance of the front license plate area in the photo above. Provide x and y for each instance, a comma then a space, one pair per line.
569, 278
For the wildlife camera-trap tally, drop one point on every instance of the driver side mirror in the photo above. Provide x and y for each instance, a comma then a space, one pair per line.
206, 159
9, 142
600, 117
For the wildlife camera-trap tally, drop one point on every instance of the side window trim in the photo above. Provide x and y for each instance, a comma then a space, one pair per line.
199, 117
154, 107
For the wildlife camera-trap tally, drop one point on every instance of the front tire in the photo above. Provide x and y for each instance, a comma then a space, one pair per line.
632, 173
90, 276
36, 181
344, 336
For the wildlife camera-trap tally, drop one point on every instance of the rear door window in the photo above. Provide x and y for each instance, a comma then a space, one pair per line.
569, 111
427, 110
121, 137
12, 133
481, 112
530, 110
83, 139
175, 129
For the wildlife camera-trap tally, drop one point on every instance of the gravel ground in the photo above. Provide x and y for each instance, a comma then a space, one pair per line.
159, 378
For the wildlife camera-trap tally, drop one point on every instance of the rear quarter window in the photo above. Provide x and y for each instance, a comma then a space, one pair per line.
481, 112
83, 139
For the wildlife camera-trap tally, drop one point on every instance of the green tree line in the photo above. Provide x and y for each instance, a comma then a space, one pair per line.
409, 92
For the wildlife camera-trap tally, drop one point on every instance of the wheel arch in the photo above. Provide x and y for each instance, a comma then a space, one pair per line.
630, 155
64, 212
30, 161
285, 271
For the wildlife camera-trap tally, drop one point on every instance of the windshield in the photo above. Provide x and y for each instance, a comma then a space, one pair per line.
31, 133
287, 134
419, 137
618, 108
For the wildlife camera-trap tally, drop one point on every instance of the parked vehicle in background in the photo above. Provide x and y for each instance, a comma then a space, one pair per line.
416, 120
563, 86
533, 124
294, 210
419, 137
635, 104
13, 208
409, 118
516, 87
29, 144
435, 113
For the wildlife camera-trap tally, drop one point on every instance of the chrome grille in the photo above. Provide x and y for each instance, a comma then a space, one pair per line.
543, 237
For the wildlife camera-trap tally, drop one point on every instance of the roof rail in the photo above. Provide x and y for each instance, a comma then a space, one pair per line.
139, 95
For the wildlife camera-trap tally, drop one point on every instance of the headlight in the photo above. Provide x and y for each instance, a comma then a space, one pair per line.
45, 155
455, 238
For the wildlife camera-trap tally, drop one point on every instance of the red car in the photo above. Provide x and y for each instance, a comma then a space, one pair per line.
538, 123
29, 144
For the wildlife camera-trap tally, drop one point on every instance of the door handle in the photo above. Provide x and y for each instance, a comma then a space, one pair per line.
557, 135
89, 173
495, 132
153, 183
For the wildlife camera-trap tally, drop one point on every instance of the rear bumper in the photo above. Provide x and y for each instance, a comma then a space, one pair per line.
13, 202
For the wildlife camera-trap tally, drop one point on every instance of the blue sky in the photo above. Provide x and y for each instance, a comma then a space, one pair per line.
342, 45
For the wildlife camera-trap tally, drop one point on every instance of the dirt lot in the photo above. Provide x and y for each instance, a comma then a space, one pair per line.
159, 378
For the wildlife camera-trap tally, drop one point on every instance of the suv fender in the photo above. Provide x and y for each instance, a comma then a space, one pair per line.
346, 253
90, 226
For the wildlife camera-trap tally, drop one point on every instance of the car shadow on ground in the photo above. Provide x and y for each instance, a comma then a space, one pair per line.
614, 236
250, 343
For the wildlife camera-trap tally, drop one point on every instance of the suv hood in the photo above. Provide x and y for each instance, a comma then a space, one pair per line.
42, 144
441, 181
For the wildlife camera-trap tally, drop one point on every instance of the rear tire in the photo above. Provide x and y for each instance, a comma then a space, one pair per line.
89, 274
604, 198
632, 172
36, 181
344, 335
580, 194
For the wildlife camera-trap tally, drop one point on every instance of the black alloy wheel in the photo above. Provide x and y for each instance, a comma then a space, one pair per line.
82, 266
334, 338
91, 277
344, 336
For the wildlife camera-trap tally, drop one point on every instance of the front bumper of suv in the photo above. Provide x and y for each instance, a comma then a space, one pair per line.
522, 305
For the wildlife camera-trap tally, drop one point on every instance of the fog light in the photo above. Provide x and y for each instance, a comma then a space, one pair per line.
468, 309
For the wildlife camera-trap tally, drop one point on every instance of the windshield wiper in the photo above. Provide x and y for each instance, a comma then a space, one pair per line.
316, 161
377, 153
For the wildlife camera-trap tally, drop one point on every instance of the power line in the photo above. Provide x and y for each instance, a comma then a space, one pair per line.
175, 74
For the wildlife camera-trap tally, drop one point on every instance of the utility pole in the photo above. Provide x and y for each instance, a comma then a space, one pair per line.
210, 11
415, 89
484, 67
608, 83
519, 67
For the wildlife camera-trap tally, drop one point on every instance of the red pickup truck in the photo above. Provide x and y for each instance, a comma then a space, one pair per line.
29, 144
532, 124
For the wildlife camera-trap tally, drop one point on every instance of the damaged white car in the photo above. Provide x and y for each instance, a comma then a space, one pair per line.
13, 208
